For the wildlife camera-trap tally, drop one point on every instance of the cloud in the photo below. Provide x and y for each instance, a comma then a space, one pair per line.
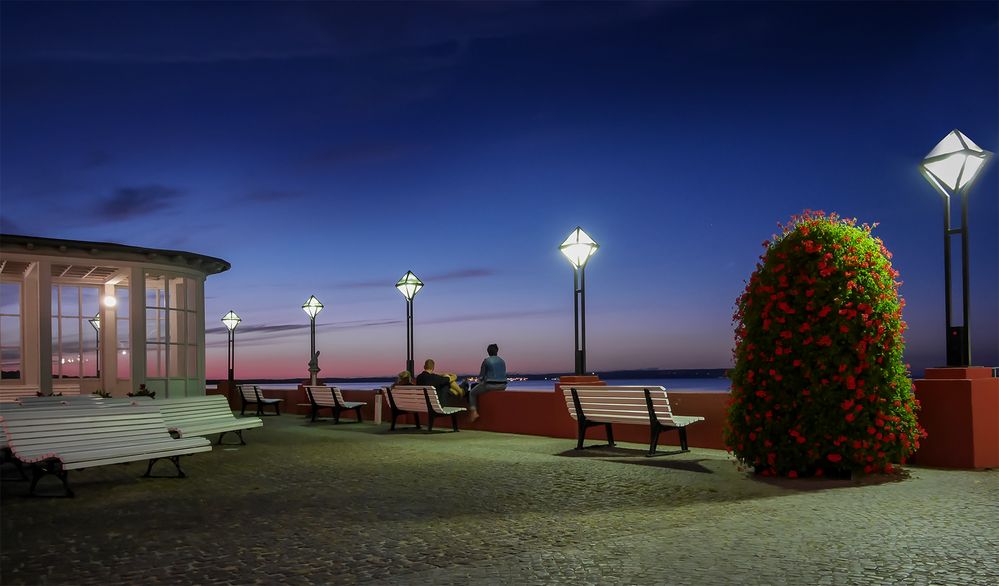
456, 275
131, 202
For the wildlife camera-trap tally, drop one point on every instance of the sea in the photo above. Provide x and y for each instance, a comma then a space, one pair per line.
673, 385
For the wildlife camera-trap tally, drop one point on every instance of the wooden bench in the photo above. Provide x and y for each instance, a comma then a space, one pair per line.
57, 440
593, 405
252, 395
323, 397
202, 416
415, 400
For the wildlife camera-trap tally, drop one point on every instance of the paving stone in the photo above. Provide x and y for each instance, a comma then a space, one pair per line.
307, 503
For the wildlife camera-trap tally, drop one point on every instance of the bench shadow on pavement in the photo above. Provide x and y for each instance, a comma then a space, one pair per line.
639, 457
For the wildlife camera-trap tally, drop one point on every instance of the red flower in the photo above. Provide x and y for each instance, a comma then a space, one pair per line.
834, 458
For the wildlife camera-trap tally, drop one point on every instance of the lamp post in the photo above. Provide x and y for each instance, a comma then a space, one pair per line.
409, 285
96, 323
231, 320
312, 307
951, 168
578, 248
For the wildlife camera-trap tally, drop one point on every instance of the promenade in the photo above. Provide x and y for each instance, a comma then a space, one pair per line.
353, 504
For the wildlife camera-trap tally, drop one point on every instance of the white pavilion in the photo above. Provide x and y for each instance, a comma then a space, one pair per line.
80, 316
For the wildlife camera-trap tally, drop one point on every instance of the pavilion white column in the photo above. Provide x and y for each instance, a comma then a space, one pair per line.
137, 324
38, 335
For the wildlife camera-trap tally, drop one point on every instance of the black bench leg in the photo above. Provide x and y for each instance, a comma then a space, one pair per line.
454, 422
358, 410
430, 422
238, 432
683, 439
242, 410
654, 440
416, 418
39, 470
336, 415
315, 411
176, 463
582, 435
394, 417
277, 408
610, 434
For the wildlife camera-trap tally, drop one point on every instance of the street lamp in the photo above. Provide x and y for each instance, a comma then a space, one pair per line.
312, 307
231, 320
409, 285
951, 168
578, 248
96, 323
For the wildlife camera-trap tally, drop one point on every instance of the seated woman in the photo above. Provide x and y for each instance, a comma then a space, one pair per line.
404, 379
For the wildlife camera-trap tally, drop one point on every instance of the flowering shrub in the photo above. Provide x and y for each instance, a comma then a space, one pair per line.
819, 385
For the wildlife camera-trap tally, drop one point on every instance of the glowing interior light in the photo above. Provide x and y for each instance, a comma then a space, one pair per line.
578, 247
312, 307
409, 285
110, 301
954, 163
231, 320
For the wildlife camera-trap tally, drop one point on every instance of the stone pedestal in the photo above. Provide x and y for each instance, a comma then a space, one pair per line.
960, 412
571, 379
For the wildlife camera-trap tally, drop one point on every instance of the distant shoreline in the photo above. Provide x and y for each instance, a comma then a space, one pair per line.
705, 373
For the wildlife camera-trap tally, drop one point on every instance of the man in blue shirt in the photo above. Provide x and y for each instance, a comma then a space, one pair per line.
492, 377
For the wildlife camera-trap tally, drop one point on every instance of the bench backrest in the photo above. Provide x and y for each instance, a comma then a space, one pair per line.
623, 404
8, 395
36, 434
249, 392
320, 395
414, 398
186, 409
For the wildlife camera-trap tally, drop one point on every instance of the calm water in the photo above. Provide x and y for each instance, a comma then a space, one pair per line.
673, 385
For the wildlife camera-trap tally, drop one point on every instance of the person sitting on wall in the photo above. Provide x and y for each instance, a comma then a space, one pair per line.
492, 377
444, 383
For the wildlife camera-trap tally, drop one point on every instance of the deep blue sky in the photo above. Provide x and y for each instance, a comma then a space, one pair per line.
327, 148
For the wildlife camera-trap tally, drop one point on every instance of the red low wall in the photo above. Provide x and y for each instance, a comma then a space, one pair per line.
533, 413
545, 413
960, 412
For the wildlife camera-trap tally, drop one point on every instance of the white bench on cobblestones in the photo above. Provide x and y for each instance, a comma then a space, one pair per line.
415, 400
252, 395
11, 394
59, 439
323, 397
599, 405
204, 415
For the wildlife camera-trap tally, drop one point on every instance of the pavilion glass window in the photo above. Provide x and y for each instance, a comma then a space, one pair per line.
11, 334
74, 341
171, 331
123, 349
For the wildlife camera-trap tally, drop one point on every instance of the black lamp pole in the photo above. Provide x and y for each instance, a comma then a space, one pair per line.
579, 306
232, 355
952, 168
409, 336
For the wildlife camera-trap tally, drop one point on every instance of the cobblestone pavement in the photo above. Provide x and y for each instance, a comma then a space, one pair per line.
353, 504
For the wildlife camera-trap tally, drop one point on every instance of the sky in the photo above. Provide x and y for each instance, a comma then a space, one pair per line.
327, 148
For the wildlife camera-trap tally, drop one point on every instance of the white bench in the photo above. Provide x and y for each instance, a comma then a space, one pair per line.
415, 400
596, 405
323, 397
251, 394
60, 439
202, 416
11, 394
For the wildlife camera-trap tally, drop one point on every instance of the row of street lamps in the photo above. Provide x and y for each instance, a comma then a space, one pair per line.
951, 167
578, 248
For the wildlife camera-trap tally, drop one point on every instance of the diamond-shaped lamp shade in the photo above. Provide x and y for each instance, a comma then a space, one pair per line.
312, 307
96, 322
231, 320
578, 247
409, 285
954, 163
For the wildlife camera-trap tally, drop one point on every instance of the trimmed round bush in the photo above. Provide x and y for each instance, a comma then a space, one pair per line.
819, 385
